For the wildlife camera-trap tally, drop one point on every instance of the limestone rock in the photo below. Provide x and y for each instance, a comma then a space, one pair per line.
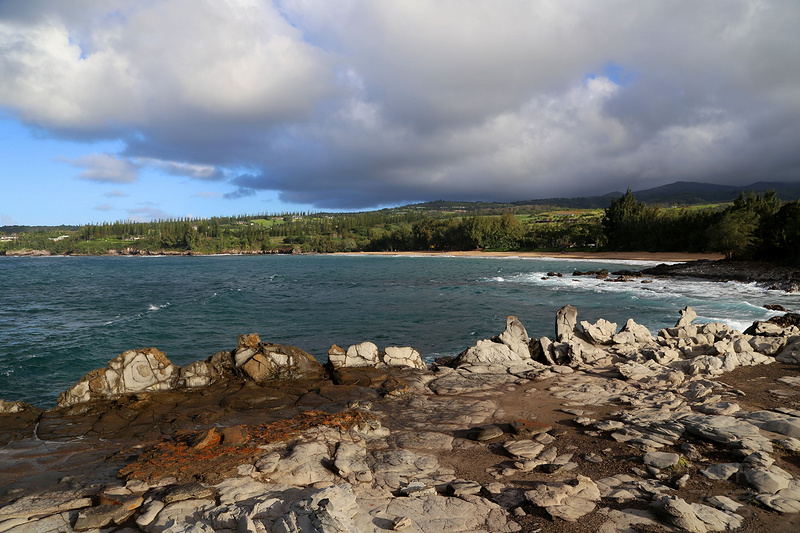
487, 432
44, 504
568, 501
601, 332
143, 370
695, 517
403, 356
350, 461
640, 333
566, 321
661, 459
790, 354
488, 352
516, 338
8, 408
357, 355
266, 362
102, 516
189, 491
688, 314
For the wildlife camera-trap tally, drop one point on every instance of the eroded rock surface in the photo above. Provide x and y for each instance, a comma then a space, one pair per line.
261, 439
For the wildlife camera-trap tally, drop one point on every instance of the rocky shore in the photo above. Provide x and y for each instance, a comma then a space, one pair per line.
775, 277
598, 428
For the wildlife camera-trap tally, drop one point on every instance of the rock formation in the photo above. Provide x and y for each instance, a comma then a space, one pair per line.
392, 445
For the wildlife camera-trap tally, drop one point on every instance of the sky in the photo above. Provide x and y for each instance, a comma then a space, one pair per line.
115, 110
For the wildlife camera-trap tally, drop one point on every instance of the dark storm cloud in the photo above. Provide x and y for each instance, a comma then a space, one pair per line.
378, 102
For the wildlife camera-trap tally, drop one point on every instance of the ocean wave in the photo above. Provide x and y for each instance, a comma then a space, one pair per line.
153, 307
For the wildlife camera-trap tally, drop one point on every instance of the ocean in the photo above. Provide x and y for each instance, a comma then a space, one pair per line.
61, 317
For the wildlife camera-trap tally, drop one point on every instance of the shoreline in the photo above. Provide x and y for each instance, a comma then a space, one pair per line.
495, 439
655, 257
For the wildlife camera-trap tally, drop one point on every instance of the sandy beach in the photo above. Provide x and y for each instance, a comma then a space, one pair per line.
659, 257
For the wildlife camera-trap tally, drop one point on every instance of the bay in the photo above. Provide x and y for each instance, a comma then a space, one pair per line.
63, 316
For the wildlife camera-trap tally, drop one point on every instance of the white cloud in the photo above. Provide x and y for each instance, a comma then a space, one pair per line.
176, 168
207, 195
103, 207
116, 193
369, 102
104, 168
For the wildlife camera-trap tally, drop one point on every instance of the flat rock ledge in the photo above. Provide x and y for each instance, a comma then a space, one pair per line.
637, 432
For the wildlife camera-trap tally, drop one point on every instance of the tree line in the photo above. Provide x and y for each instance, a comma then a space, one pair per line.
754, 226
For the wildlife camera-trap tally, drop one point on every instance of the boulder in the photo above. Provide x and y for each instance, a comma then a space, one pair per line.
602, 332
261, 362
566, 321
688, 314
694, 517
8, 408
133, 371
640, 333
403, 356
203, 373
488, 352
357, 355
568, 501
516, 338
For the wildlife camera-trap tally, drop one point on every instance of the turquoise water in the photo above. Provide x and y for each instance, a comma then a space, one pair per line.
63, 316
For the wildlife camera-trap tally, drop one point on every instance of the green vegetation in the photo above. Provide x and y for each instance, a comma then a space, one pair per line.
752, 226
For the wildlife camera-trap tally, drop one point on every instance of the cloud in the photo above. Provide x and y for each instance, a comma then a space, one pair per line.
103, 207
147, 213
194, 171
240, 192
207, 195
105, 168
365, 103
116, 193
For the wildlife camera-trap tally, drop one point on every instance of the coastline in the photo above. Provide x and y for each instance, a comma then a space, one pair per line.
513, 435
656, 257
